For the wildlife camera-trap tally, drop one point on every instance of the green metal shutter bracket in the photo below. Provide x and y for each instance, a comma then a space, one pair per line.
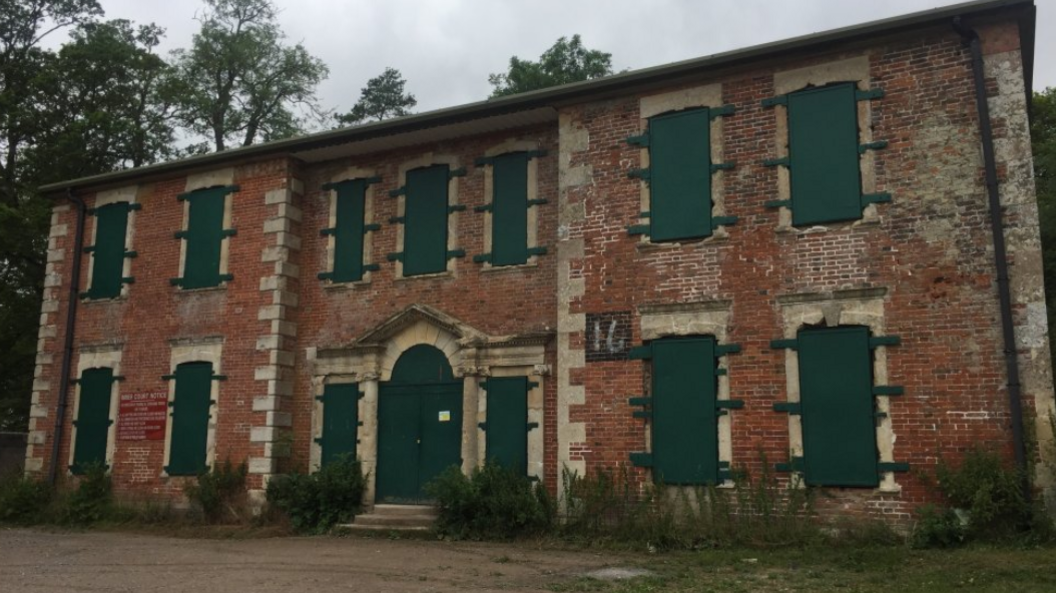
795, 464
641, 459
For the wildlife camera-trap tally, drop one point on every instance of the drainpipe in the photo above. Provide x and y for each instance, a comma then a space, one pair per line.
67, 350
1015, 404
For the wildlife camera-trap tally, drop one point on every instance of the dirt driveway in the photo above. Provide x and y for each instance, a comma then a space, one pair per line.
37, 561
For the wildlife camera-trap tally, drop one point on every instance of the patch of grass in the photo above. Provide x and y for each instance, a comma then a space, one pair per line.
820, 569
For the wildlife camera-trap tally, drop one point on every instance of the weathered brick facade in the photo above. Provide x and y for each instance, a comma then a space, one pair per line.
920, 267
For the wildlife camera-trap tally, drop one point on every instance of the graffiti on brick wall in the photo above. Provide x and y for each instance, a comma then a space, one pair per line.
608, 336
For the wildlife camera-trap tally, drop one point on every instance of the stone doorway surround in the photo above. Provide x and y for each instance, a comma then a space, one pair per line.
473, 355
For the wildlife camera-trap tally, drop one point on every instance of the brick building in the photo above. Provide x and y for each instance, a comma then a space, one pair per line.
783, 253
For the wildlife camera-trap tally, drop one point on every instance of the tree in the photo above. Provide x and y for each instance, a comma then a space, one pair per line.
1043, 144
238, 82
24, 24
382, 98
88, 108
566, 61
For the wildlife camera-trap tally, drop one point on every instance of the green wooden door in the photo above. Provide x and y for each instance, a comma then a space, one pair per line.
685, 425
419, 425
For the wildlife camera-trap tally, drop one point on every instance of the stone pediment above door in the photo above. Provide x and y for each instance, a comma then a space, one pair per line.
470, 351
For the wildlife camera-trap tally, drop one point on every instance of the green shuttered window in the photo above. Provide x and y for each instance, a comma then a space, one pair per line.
349, 231
685, 420
425, 226
93, 419
823, 155
837, 407
680, 176
204, 235
509, 222
507, 422
108, 253
340, 421
190, 418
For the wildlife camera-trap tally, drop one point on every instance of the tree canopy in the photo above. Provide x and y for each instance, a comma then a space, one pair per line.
382, 98
239, 82
566, 61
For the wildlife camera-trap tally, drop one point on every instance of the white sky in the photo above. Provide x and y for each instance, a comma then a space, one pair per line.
446, 48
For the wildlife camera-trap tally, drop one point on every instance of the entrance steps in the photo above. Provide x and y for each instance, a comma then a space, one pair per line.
394, 517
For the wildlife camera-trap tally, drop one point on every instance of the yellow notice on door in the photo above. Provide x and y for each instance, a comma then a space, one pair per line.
445, 416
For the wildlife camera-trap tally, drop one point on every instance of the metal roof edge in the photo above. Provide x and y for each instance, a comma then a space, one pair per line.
574, 91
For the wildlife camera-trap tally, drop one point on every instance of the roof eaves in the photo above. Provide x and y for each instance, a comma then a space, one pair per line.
569, 92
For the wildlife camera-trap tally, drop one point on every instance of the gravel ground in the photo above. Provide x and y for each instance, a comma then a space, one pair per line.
36, 561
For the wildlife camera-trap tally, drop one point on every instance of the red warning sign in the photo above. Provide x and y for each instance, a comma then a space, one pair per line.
141, 416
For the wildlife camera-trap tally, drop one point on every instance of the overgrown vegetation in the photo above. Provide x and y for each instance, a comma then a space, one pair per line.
492, 503
984, 502
23, 501
91, 500
316, 502
220, 493
757, 512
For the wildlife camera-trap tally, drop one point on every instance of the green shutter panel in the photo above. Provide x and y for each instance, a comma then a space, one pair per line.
425, 227
190, 418
836, 406
685, 420
680, 176
823, 155
205, 231
507, 422
108, 259
93, 419
340, 421
349, 231
509, 221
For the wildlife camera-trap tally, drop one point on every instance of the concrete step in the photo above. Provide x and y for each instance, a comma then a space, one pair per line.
376, 529
395, 521
394, 510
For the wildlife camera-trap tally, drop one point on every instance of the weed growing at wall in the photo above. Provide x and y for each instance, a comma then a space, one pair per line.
315, 503
23, 501
220, 493
984, 502
614, 506
492, 503
90, 501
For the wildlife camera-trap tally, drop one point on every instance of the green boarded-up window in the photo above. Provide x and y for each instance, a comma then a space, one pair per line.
108, 253
823, 155
685, 422
205, 233
680, 175
837, 408
340, 421
93, 419
425, 221
349, 231
507, 422
509, 221
190, 418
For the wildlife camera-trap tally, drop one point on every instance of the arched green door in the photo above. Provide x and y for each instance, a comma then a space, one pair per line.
419, 425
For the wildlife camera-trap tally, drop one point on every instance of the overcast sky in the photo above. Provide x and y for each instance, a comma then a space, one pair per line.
446, 48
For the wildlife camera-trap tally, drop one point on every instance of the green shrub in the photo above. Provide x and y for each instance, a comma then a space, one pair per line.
937, 527
23, 500
220, 493
91, 500
492, 503
315, 503
989, 490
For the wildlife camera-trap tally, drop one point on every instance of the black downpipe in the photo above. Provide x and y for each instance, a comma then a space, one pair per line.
1015, 404
67, 350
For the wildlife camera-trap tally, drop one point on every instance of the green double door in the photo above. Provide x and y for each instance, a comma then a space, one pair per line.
419, 426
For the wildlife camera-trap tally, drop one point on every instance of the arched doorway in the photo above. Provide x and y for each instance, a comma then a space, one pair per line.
419, 425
